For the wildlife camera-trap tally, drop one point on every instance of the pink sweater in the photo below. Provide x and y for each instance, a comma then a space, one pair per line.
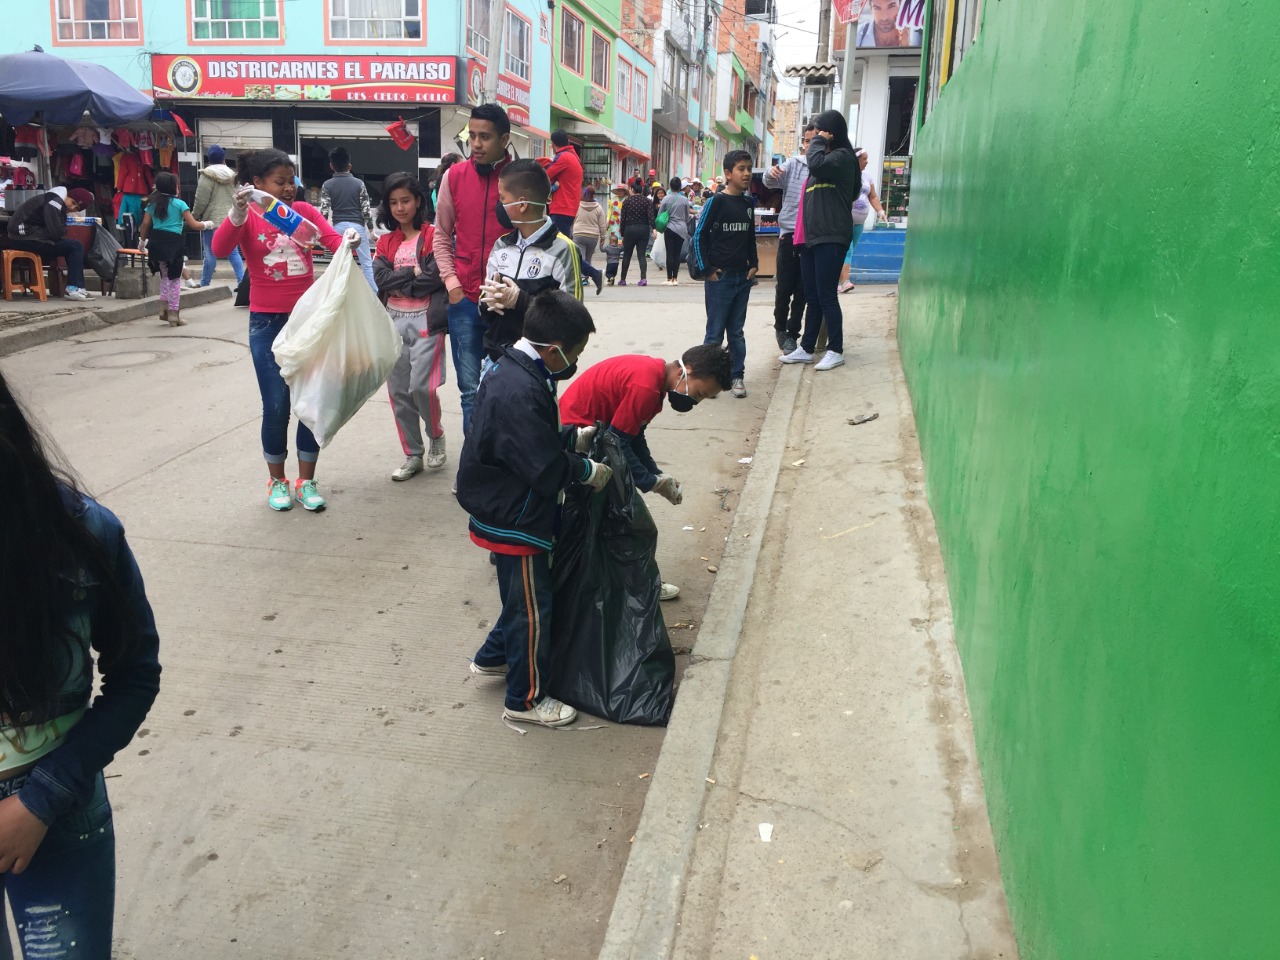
280, 270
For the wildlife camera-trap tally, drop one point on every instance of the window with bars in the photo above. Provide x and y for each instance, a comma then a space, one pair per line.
518, 46
601, 48
622, 98
478, 26
640, 95
597, 163
375, 19
235, 19
97, 20
571, 40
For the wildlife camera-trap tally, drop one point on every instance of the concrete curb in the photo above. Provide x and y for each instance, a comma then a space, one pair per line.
646, 910
40, 332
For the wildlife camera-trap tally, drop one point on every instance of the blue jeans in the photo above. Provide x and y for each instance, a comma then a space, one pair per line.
853, 244
64, 902
363, 255
726, 301
263, 329
820, 268
211, 262
466, 343
520, 639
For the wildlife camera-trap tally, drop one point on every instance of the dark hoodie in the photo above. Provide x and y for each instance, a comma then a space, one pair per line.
835, 181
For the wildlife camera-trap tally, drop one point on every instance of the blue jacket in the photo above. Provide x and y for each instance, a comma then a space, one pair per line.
65, 779
516, 459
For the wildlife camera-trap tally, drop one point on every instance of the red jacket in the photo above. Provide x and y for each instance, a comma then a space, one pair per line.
566, 169
466, 225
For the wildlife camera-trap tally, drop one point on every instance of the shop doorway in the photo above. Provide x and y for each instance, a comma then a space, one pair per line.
900, 127
374, 155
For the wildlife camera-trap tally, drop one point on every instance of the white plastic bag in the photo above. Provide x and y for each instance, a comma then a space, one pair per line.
659, 254
337, 349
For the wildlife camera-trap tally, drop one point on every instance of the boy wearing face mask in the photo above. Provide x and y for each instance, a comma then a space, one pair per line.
516, 463
531, 257
625, 393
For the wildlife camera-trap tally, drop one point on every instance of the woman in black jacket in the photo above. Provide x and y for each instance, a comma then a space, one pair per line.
636, 220
825, 229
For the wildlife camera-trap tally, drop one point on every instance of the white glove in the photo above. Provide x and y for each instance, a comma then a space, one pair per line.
208, 224
350, 237
500, 294
599, 476
239, 211
670, 488
582, 444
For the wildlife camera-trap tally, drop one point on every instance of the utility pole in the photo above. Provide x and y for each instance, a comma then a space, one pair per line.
497, 33
703, 106
824, 35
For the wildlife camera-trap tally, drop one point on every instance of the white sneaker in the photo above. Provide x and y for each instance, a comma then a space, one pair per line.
548, 711
739, 388
191, 283
436, 455
77, 293
798, 355
479, 671
669, 592
830, 360
407, 469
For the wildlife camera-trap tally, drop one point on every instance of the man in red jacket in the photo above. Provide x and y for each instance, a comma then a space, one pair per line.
467, 227
564, 170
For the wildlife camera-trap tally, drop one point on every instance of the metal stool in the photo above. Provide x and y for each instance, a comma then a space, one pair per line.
32, 268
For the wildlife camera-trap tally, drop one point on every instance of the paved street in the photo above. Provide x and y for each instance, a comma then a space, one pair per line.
320, 776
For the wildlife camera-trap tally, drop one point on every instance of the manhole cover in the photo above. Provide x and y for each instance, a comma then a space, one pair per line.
132, 358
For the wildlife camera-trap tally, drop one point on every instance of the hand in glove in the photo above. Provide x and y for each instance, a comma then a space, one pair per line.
670, 488
239, 211
208, 224
599, 476
500, 294
586, 436
350, 237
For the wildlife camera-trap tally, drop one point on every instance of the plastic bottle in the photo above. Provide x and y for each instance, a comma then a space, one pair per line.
285, 219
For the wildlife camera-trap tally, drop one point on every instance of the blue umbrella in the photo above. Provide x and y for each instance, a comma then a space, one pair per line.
63, 91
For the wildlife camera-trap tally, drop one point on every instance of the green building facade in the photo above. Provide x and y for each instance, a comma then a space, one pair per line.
1088, 325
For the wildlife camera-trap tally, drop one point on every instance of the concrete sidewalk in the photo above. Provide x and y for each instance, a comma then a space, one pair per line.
26, 322
823, 709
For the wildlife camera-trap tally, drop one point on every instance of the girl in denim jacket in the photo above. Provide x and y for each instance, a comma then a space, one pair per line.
69, 590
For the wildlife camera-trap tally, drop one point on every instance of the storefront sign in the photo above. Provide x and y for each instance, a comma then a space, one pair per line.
513, 93
397, 79
889, 23
597, 100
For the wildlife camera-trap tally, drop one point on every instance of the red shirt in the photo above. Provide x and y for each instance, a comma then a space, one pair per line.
566, 169
622, 392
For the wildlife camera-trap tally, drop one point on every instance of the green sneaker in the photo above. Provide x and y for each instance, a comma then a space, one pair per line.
278, 497
308, 495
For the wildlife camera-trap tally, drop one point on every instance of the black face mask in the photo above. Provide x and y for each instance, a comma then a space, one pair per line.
681, 402
504, 218
565, 374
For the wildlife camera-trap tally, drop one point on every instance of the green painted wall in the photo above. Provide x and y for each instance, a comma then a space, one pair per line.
1089, 325
570, 92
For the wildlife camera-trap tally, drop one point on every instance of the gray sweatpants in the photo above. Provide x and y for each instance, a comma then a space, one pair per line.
415, 381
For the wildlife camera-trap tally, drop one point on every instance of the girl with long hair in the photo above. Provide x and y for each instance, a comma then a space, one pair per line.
824, 229
161, 235
281, 271
409, 284
69, 589
862, 207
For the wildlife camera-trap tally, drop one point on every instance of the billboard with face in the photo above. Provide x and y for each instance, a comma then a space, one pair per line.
890, 23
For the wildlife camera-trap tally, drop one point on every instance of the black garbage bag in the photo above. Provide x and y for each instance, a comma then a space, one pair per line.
611, 654
101, 255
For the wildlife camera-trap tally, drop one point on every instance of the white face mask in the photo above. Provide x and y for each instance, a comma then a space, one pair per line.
529, 203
